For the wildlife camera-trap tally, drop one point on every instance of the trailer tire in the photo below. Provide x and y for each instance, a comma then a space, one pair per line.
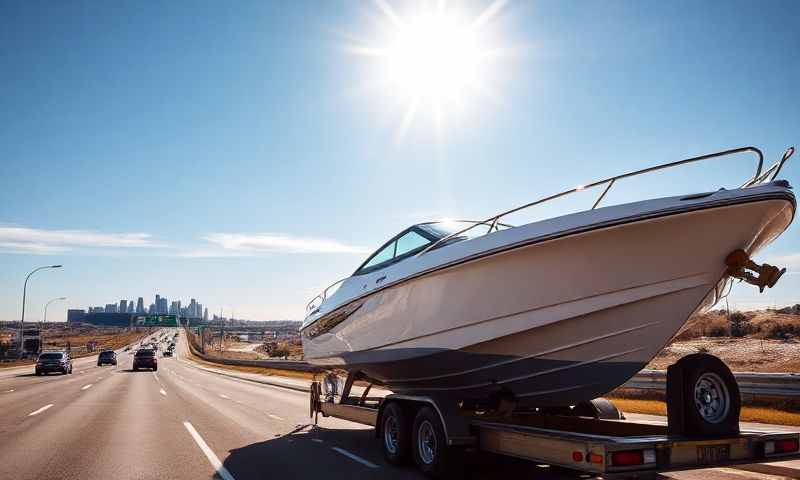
395, 434
711, 397
600, 408
429, 445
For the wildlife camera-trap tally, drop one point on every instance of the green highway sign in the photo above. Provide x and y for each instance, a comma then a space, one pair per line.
158, 320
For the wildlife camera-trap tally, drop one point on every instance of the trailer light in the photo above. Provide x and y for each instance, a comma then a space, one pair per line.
787, 445
577, 456
595, 458
633, 457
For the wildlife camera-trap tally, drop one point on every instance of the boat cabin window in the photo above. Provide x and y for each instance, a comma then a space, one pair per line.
399, 248
382, 256
409, 242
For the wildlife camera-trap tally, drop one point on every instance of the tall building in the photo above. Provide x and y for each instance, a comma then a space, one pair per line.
130, 306
157, 303
140, 305
162, 307
174, 308
192, 309
75, 315
123, 306
205, 315
152, 309
111, 308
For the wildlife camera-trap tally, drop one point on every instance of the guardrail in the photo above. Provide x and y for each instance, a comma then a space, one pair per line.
750, 383
294, 365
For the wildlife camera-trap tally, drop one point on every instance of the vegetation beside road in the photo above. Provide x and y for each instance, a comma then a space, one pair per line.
78, 337
749, 413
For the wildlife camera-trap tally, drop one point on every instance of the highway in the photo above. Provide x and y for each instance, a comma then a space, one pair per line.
186, 422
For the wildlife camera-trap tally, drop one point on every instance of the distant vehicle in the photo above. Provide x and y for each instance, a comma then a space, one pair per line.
107, 357
167, 353
145, 358
53, 362
126, 349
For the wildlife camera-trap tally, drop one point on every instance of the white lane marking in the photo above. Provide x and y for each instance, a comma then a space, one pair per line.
212, 458
318, 440
9, 391
37, 412
86, 387
162, 392
353, 456
274, 416
224, 396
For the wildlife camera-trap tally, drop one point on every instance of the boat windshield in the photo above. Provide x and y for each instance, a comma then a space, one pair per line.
449, 227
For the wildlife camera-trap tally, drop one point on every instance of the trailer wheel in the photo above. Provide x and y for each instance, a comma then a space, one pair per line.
601, 408
711, 397
431, 453
395, 434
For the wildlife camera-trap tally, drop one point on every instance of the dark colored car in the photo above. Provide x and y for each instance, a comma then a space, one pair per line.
167, 353
145, 358
53, 362
107, 357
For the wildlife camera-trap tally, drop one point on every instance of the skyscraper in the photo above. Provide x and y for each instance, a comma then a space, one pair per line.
130, 306
157, 303
140, 305
123, 306
205, 315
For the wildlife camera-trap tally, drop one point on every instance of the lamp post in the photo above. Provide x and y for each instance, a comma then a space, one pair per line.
24, 291
48, 304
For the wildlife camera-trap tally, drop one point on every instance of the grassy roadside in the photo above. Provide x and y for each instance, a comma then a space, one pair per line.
104, 342
749, 414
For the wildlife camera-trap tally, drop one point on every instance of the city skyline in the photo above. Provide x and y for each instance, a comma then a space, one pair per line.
159, 306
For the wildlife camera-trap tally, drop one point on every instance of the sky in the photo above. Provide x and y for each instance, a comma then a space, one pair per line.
247, 154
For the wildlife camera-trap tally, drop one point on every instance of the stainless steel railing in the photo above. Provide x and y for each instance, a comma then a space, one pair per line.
609, 182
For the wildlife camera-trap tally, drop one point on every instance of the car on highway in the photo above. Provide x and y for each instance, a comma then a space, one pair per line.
167, 353
107, 357
145, 358
53, 362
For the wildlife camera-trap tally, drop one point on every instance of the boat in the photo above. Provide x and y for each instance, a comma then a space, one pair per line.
553, 312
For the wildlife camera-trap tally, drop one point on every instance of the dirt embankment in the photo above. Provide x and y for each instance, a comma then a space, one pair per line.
757, 341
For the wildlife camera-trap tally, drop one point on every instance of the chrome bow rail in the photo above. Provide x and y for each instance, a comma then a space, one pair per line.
759, 177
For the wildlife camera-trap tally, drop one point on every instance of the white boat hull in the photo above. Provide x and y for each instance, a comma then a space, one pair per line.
553, 322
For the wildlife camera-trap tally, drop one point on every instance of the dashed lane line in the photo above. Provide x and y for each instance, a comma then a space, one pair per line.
354, 457
37, 412
86, 387
162, 392
212, 458
274, 416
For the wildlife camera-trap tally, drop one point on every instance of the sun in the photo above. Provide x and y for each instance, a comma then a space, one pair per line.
435, 60
432, 57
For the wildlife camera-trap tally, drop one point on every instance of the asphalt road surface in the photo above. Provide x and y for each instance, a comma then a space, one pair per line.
184, 422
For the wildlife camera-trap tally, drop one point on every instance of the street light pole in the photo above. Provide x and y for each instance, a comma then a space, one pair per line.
24, 292
48, 304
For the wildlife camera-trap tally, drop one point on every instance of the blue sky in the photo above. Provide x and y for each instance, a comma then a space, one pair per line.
248, 154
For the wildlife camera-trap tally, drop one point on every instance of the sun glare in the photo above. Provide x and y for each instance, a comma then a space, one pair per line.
433, 60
